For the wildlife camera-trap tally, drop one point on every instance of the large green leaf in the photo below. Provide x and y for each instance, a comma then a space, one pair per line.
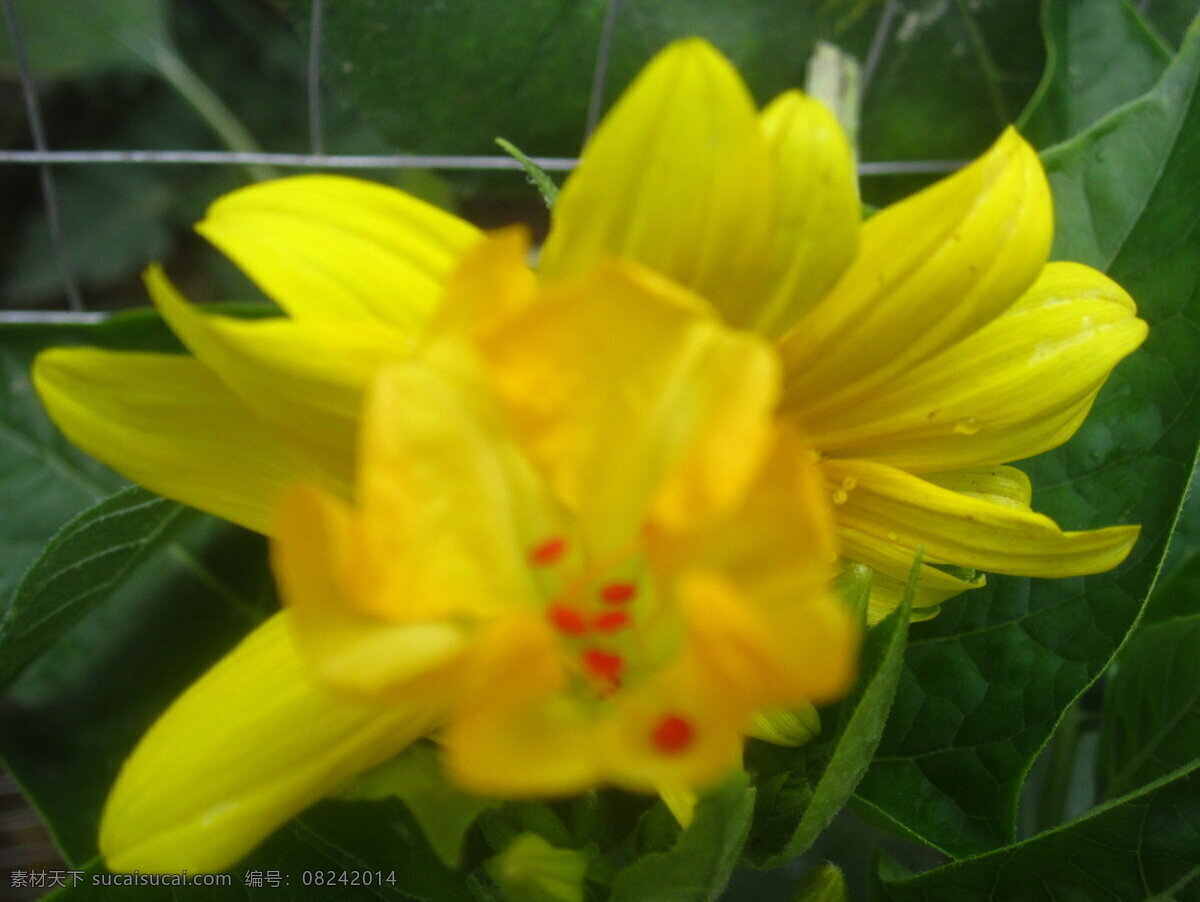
440, 77
80, 567
1141, 846
801, 789
698, 866
1099, 54
1152, 706
986, 682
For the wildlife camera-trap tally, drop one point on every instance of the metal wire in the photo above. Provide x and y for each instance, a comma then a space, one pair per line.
600, 73
882, 30
316, 25
49, 196
381, 161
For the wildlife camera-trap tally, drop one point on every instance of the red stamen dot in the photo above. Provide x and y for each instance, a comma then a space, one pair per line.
548, 552
603, 664
567, 620
618, 593
673, 734
611, 621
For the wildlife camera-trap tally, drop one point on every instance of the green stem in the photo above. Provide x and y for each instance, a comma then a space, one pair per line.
210, 107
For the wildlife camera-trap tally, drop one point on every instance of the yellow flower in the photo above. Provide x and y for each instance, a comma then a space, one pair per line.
579, 543
922, 349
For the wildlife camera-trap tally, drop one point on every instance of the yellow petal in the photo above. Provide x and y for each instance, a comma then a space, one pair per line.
328, 247
513, 731
778, 543
670, 411
891, 565
817, 228
930, 270
1019, 386
314, 562
167, 423
252, 743
689, 700
893, 506
677, 178
1007, 486
887, 593
309, 377
776, 654
450, 509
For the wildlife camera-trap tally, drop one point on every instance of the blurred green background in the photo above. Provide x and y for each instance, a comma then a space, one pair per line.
431, 76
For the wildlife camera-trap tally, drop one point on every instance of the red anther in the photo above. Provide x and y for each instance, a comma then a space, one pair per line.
604, 664
611, 621
618, 593
567, 620
548, 552
673, 734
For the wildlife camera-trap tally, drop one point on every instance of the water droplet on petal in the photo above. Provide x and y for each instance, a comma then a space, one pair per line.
967, 426
892, 535
840, 496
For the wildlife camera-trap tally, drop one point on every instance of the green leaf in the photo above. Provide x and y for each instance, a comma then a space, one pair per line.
84, 563
444, 812
69, 39
1152, 705
802, 789
1141, 846
986, 682
698, 866
473, 69
1099, 55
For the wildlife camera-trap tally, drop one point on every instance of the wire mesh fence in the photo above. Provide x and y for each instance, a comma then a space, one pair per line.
47, 160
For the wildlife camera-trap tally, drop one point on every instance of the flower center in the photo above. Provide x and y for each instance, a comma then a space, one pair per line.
614, 630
